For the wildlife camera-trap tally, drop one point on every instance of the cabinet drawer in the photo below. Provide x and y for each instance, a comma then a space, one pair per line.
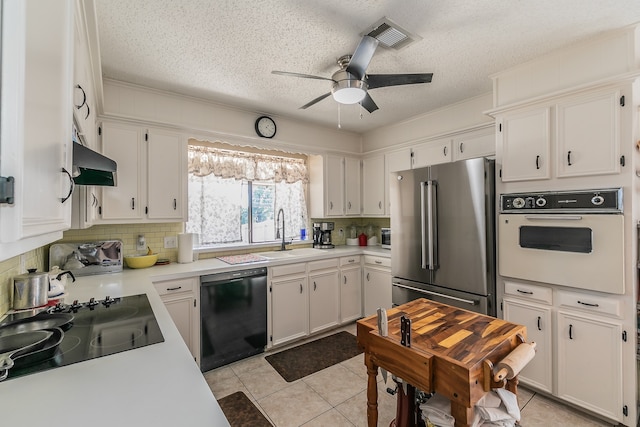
286, 270
593, 303
350, 260
169, 287
377, 261
530, 292
323, 264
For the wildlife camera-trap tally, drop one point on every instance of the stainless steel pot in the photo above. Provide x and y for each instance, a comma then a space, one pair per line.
30, 290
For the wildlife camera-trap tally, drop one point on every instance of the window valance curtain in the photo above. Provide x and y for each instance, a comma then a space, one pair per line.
205, 161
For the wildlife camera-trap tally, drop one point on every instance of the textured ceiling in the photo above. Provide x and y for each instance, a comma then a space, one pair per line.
225, 50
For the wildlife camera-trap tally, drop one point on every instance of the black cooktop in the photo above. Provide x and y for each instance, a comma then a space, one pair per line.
99, 328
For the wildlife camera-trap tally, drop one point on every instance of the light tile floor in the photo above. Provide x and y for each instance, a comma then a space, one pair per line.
337, 396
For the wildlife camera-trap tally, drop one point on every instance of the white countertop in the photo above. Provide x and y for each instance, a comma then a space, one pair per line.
156, 385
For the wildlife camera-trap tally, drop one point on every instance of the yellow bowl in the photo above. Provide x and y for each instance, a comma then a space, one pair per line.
140, 261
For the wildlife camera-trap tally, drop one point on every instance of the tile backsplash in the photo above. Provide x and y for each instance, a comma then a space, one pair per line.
128, 233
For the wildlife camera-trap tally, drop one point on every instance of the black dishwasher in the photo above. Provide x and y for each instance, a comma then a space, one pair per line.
233, 316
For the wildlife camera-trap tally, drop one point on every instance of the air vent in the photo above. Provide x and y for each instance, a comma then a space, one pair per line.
390, 34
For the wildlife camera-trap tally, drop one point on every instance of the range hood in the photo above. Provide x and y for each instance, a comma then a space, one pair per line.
92, 168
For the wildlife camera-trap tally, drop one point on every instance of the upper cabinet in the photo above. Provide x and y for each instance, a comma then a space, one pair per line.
374, 182
151, 178
84, 104
525, 138
334, 186
431, 153
585, 139
36, 132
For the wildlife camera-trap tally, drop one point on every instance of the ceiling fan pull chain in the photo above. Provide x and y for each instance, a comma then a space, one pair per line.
361, 108
339, 124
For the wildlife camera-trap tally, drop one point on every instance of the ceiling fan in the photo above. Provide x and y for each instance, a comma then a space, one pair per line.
351, 82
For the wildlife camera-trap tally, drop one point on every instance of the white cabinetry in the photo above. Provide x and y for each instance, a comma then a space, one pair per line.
84, 110
36, 106
530, 305
324, 295
474, 144
180, 297
431, 153
525, 138
588, 134
581, 353
377, 284
589, 351
152, 174
350, 289
586, 140
374, 182
399, 160
334, 186
289, 303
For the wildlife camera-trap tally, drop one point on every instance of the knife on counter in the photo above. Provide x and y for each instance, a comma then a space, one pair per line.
383, 330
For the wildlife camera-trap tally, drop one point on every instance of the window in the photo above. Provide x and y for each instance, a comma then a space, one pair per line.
235, 196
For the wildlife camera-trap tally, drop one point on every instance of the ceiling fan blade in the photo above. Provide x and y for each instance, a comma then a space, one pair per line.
368, 104
304, 76
318, 99
362, 56
382, 80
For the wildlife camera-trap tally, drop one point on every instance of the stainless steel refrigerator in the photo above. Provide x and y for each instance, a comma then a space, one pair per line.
443, 244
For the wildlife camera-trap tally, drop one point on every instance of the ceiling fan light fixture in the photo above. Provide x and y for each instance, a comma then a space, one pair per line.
349, 91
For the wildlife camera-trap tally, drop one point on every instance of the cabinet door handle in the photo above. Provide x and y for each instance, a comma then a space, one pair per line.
84, 97
525, 292
539, 325
314, 285
73, 184
300, 287
537, 162
133, 203
444, 151
345, 279
330, 205
588, 304
175, 204
174, 288
367, 277
568, 158
378, 262
380, 205
88, 112
348, 205
352, 260
570, 332
462, 147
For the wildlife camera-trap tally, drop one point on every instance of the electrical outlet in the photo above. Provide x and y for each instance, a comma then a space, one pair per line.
141, 243
170, 242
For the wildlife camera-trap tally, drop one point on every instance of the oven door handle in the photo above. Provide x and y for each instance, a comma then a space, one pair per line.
436, 294
553, 217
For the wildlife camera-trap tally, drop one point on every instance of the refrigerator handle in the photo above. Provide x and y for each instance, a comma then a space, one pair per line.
432, 224
423, 226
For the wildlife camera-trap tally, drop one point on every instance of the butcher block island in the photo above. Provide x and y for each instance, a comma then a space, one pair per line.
452, 352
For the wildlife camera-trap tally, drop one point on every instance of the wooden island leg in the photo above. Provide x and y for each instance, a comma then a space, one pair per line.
462, 415
372, 391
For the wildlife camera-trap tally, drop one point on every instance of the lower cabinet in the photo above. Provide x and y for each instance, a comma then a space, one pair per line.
350, 289
180, 297
590, 362
377, 284
537, 318
324, 295
579, 345
289, 303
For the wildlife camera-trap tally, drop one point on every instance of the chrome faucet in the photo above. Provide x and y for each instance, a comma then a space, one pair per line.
281, 211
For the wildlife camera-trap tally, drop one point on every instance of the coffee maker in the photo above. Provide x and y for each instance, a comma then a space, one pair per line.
322, 235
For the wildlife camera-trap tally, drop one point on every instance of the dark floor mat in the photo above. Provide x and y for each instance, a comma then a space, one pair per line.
314, 356
241, 412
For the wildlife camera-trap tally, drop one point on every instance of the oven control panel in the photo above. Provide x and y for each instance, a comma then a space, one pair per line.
593, 201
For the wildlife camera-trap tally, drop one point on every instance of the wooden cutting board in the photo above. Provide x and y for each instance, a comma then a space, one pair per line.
458, 340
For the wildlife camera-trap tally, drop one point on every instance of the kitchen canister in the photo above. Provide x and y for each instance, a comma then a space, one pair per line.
185, 248
30, 290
